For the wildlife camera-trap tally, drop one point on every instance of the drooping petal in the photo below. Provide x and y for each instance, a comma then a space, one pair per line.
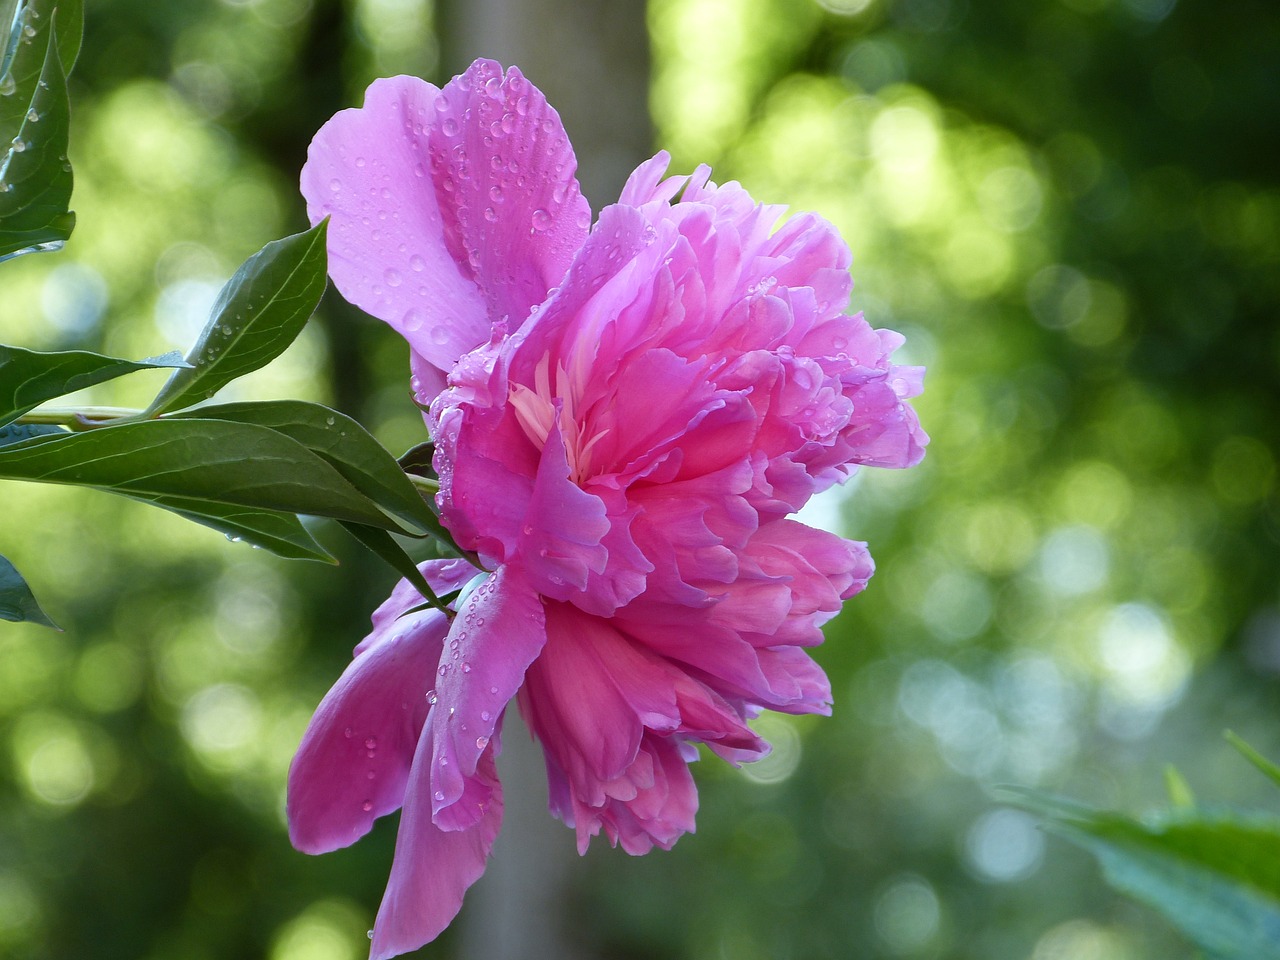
498, 632
354, 758
433, 868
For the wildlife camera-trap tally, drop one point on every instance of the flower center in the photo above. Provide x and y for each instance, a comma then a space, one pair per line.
536, 410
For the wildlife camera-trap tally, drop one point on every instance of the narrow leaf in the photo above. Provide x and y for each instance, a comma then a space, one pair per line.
1180, 795
384, 545
259, 312
239, 464
281, 533
29, 378
17, 602
35, 177
417, 459
1254, 757
345, 444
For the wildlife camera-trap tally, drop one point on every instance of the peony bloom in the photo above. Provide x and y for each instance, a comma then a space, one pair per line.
625, 417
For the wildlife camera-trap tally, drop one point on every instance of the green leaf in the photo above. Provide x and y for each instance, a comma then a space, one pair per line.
17, 602
417, 459
237, 464
29, 378
384, 545
1175, 784
345, 444
1254, 757
259, 312
281, 533
35, 177
1215, 875
17, 15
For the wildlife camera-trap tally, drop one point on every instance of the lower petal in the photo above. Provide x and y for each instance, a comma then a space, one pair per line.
433, 868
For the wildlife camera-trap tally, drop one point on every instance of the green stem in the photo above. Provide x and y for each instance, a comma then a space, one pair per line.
424, 484
79, 418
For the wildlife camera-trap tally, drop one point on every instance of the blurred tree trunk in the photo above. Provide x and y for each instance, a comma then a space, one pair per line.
591, 59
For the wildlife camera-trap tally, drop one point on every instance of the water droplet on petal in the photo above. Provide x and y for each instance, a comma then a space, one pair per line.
392, 277
541, 219
367, 806
466, 667
439, 796
432, 697
481, 742
450, 127
439, 335
335, 184
417, 264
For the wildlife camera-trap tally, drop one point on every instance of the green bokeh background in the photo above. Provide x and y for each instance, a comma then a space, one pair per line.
1072, 210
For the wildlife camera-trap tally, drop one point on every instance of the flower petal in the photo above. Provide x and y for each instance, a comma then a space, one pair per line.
497, 634
367, 170
450, 209
433, 868
354, 758
515, 214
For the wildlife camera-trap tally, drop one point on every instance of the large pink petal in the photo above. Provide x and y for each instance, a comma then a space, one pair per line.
367, 170
504, 170
449, 209
498, 632
354, 757
433, 868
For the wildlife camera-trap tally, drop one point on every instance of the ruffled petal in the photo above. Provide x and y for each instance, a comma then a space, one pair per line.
433, 868
354, 758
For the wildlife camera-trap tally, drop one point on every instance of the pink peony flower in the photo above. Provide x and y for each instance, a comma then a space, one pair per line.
624, 419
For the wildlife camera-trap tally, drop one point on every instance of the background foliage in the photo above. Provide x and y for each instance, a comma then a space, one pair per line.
1071, 208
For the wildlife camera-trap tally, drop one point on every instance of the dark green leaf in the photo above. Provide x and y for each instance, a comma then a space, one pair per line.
345, 444
260, 311
239, 464
16, 16
281, 533
385, 546
1215, 875
35, 177
17, 602
418, 459
1253, 756
29, 378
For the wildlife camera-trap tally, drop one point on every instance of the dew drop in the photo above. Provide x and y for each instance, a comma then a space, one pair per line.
439, 335
367, 806
335, 184
348, 733
450, 127
490, 214
439, 796
493, 690
481, 742
32, 116
466, 667
371, 743
541, 219
485, 716
18, 145
330, 421
417, 264
392, 277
